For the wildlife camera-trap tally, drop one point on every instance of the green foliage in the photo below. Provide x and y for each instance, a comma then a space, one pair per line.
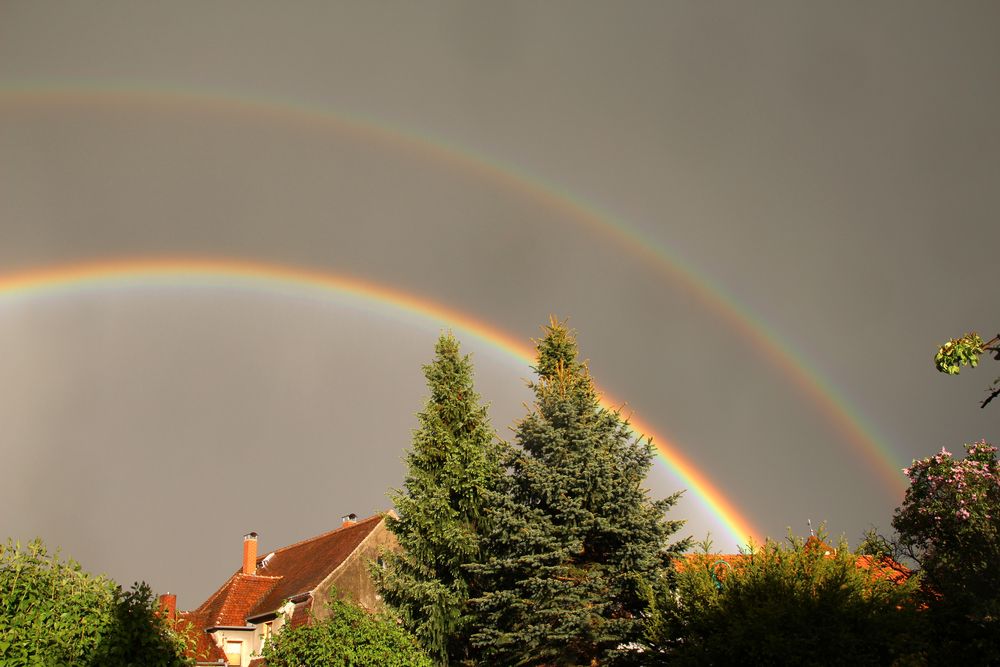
54, 613
966, 350
139, 635
957, 352
949, 522
875, 544
452, 465
795, 603
349, 637
575, 536
51, 611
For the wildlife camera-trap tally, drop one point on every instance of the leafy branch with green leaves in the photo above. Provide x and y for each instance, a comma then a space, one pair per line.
965, 351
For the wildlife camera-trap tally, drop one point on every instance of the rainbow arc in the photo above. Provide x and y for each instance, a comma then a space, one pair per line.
845, 418
184, 272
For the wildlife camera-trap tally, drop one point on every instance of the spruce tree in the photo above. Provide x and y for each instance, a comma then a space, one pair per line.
452, 465
576, 537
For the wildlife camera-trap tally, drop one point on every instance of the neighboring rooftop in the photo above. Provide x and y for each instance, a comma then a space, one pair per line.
296, 573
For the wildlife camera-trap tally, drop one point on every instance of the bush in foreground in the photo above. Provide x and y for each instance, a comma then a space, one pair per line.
52, 612
787, 603
349, 636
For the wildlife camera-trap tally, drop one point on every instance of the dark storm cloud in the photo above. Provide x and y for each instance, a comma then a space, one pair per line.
832, 168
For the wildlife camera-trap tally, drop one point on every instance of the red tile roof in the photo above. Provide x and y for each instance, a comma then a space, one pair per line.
884, 568
230, 604
304, 565
286, 573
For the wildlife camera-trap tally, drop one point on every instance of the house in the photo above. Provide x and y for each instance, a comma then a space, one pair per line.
287, 585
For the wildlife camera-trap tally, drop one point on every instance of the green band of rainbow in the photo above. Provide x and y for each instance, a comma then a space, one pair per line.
845, 417
198, 272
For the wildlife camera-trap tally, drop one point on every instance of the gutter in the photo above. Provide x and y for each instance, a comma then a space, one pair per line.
294, 599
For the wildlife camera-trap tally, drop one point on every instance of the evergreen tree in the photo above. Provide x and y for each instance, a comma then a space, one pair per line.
453, 463
576, 539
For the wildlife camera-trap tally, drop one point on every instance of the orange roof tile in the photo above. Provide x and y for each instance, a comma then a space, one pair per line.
304, 565
885, 568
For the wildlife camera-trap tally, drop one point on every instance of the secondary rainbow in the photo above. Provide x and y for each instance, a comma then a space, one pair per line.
201, 271
845, 417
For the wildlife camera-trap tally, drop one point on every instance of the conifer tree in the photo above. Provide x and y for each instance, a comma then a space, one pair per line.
576, 537
452, 465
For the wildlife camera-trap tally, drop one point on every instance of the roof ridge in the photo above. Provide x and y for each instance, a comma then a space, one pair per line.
379, 516
259, 576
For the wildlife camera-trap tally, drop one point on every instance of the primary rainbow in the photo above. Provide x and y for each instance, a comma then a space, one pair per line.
260, 275
845, 417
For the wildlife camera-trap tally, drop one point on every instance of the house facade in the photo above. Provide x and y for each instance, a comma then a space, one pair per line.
285, 586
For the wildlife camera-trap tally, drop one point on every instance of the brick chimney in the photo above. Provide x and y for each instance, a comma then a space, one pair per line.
250, 553
168, 606
348, 520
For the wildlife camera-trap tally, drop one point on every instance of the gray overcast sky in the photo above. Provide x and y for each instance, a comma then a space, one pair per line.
833, 168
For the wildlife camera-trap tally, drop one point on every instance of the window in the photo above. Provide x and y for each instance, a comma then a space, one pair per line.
234, 652
266, 631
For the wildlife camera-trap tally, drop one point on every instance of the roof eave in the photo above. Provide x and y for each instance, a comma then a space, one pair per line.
294, 599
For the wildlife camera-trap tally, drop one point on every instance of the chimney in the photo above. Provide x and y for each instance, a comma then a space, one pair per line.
168, 606
348, 520
250, 553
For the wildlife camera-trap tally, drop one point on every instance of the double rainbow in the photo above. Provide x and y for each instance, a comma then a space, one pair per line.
796, 366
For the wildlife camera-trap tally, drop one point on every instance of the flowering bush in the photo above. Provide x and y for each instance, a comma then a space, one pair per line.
950, 518
949, 522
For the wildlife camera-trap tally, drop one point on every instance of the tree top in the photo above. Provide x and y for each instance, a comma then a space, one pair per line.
558, 363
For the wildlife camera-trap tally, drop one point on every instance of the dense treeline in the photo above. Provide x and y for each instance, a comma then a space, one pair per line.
549, 550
